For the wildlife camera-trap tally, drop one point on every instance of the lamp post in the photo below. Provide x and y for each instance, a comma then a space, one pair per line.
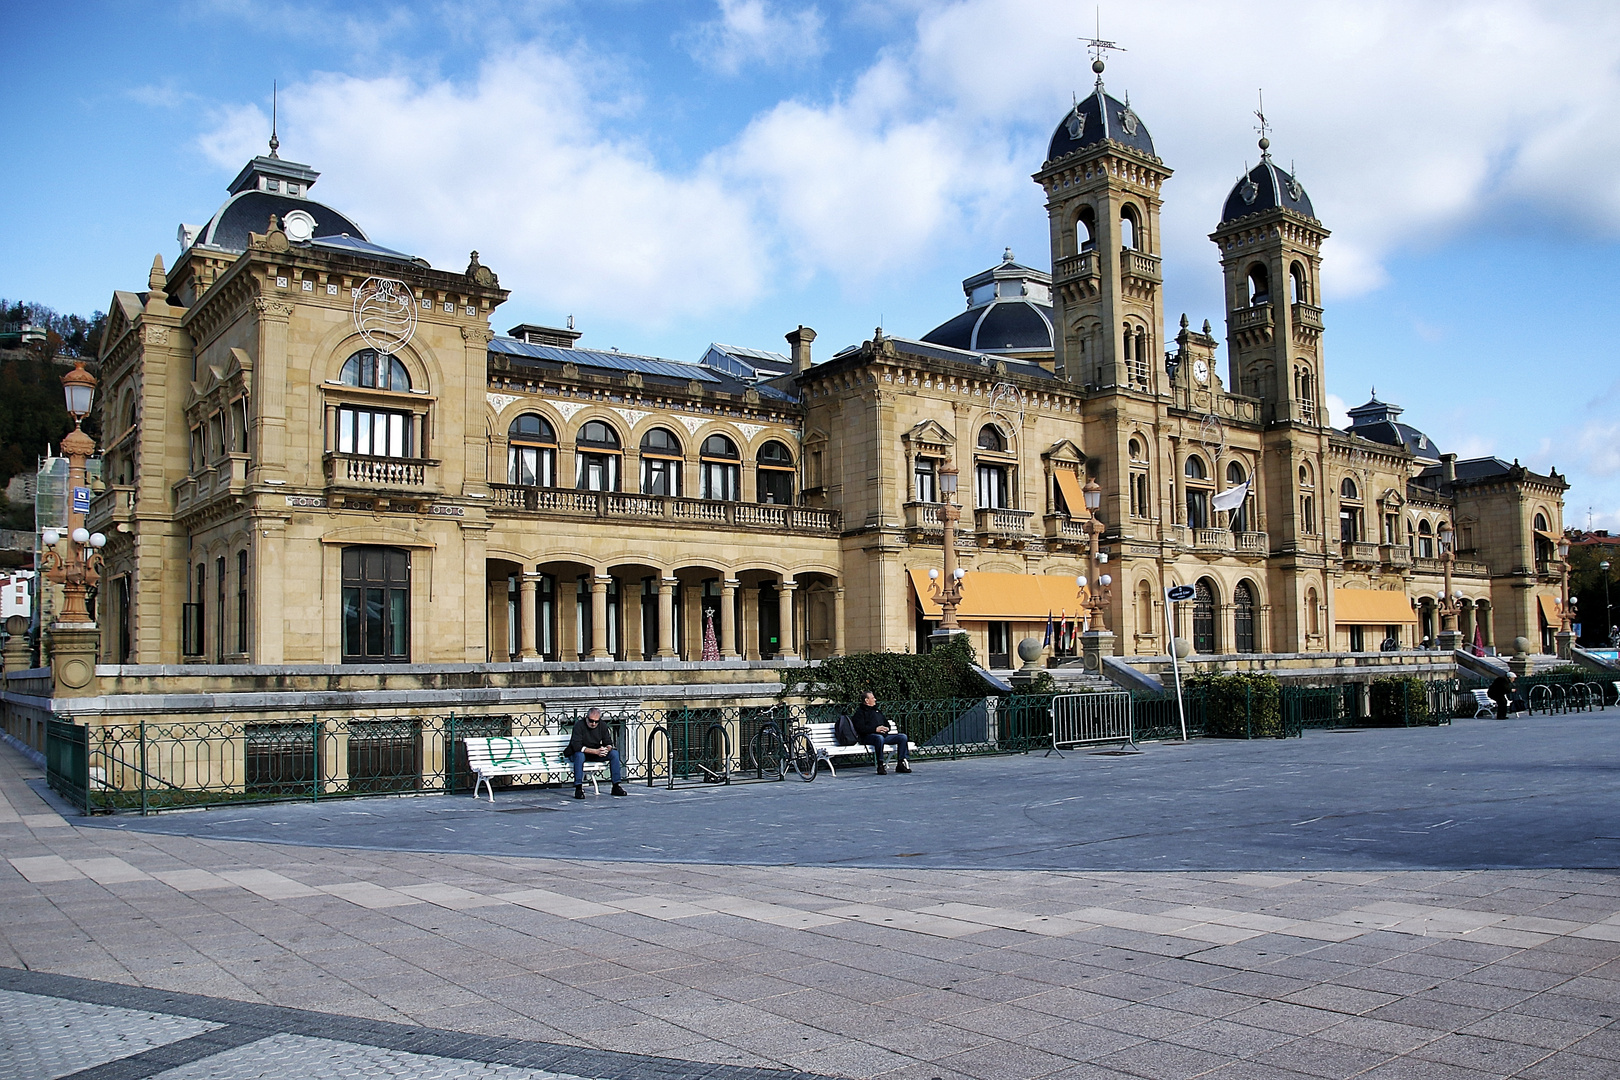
1607, 626
948, 591
75, 565
1566, 617
1450, 638
1097, 641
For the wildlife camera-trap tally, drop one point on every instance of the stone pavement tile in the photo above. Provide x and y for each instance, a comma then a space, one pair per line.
1228, 1039
1071, 1003
1409, 1068
1426, 963
1322, 1057
1518, 978
1287, 1018
1081, 1041
1142, 1019
1345, 999
1204, 1001
1570, 1066
1527, 1030
1133, 986
1374, 1034
1428, 1013
925, 1070
855, 1060
1163, 1061
1005, 1062
1089, 1071
1597, 1013
1005, 1022
1552, 961
646, 1036
1486, 1055
1475, 995
1260, 984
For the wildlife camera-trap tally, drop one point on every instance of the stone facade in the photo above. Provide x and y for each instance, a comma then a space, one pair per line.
279, 492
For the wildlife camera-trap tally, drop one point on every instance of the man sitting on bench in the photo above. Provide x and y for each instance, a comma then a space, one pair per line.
871, 728
592, 737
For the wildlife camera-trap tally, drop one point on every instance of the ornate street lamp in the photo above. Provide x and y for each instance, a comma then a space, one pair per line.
1449, 638
1607, 626
75, 564
1095, 598
948, 590
1566, 622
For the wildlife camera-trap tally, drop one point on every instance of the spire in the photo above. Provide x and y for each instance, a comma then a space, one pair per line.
157, 279
1264, 128
275, 143
1098, 46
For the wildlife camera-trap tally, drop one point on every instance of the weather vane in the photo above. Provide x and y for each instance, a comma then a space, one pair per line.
1264, 127
1098, 45
275, 143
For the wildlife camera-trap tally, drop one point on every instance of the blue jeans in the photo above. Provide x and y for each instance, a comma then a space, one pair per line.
615, 770
878, 742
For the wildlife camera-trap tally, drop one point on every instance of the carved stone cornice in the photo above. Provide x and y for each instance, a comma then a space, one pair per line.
479, 335
273, 310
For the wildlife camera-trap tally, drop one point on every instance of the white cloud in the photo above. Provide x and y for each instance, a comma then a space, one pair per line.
755, 31
1338, 411
516, 164
1597, 447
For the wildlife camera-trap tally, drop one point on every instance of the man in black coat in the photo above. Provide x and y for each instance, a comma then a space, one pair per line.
871, 728
1501, 692
592, 739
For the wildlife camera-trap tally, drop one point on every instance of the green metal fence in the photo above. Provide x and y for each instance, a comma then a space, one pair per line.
67, 761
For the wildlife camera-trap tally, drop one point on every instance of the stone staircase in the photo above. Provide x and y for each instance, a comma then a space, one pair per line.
1074, 679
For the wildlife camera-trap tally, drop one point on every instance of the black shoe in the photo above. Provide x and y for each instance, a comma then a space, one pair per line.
579, 791
902, 767
617, 790
883, 770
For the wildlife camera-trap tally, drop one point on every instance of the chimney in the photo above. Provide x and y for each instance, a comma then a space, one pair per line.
800, 340
1448, 468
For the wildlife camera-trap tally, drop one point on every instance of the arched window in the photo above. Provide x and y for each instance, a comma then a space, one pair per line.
660, 463
1243, 617
775, 474
1146, 624
1238, 519
1347, 489
596, 458
990, 438
1141, 505
1197, 493
1259, 284
1307, 500
1541, 522
1425, 541
1203, 618
1350, 524
1299, 287
1306, 478
531, 452
1313, 624
992, 479
721, 469
1134, 450
1129, 228
1085, 229
374, 371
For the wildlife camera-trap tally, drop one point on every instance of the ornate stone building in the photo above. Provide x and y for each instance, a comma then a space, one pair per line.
319, 452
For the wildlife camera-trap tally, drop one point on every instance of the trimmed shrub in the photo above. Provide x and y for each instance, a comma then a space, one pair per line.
1242, 705
1400, 701
939, 675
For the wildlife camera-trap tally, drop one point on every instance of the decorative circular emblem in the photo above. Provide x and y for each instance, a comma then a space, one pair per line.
1294, 191
298, 226
1127, 120
1250, 190
385, 314
1077, 124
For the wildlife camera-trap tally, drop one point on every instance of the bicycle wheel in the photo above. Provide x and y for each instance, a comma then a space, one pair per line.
766, 753
803, 756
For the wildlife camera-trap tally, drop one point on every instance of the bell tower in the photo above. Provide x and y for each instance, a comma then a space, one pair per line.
1102, 182
1271, 255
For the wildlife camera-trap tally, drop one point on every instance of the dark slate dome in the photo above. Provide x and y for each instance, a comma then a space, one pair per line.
1376, 421
1096, 117
1009, 312
270, 185
1266, 187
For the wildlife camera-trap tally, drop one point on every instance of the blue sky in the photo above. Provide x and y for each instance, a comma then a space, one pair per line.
675, 173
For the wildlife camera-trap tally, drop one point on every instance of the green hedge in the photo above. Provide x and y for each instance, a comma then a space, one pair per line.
1242, 705
942, 674
1400, 701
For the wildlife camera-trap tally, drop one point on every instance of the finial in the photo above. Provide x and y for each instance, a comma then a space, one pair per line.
1098, 46
157, 279
1206, 327
1184, 320
1264, 128
275, 143
1375, 393
1006, 255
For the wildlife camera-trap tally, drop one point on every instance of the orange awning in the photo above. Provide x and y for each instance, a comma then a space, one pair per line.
1069, 484
987, 596
1549, 611
1371, 607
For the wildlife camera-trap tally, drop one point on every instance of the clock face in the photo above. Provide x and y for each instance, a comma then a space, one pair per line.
1201, 371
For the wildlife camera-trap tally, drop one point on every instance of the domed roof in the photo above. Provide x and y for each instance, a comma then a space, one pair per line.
1266, 187
1009, 312
1096, 117
265, 186
1376, 421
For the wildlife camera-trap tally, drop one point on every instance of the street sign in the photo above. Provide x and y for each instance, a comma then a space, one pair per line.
1180, 592
81, 500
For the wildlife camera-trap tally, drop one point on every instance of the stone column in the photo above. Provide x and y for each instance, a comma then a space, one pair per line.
495, 619
1094, 645
728, 618
631, 623
785, 611
568, 619
666, 618
73, 659
599, 617
838, 622
1487, 623
527, 583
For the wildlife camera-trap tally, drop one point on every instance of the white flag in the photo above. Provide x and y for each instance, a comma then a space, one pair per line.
1231, 498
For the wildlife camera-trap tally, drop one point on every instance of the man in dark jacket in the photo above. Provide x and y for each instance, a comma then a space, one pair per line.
871, 728
1501, 692
592, 739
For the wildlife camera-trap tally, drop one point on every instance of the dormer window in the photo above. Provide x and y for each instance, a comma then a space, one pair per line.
271, 184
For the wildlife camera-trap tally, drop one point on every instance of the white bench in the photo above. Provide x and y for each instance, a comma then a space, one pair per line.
826, 747
1487, 707
526, 755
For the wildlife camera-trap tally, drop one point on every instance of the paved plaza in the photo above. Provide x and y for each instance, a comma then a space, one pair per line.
1435, 902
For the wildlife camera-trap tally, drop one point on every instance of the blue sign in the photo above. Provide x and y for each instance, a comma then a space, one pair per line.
1180, 592
81, 500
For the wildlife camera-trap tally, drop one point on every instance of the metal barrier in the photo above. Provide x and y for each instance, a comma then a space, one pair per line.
67, 761
1091, 719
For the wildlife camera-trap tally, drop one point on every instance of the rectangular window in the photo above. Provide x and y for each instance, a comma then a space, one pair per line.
239, 425
926, 472
376, 605
660, 476
990, 487
241, 602
125, 621
532, 466
596, 471
1307, 514
776, 486
1197, 509
219, 622
1392, 529
720, 480
1357, 639
374, 432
